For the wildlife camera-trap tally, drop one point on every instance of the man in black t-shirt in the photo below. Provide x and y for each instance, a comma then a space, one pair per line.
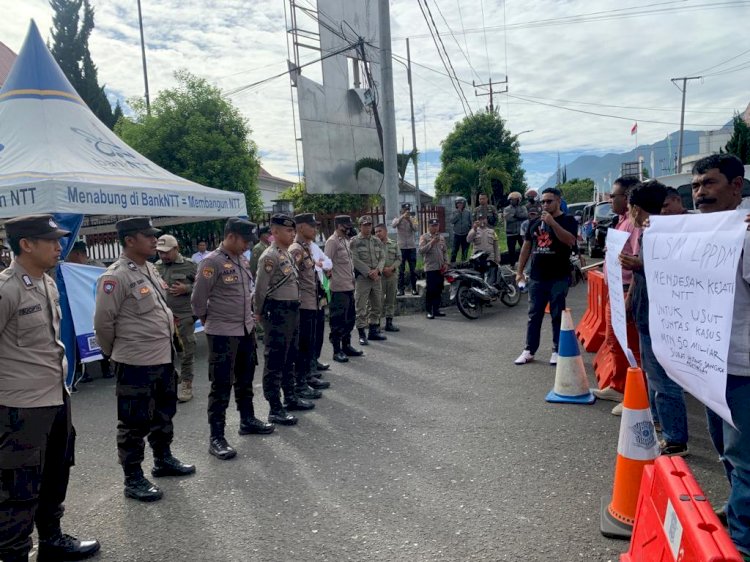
548, 241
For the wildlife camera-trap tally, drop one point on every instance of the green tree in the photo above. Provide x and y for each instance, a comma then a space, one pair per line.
578, 190
469, 177
327, 203
194, 132
739, 144
483, 139
70, 47
377, 164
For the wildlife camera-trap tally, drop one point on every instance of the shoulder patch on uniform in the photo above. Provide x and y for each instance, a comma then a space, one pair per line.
109, 286
297, 255
27, 280
208, 272
144, 290
268, 265
132, 266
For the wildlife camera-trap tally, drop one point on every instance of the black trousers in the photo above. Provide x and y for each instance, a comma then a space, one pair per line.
320, 327
513, 254
408, 256
146, 404
342, 317
460, 243
305, 346
280, 323
36, 453
434, 290
231, 363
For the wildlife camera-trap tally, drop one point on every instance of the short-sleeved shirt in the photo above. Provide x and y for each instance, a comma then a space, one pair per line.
550, 258
308, 278
342, 278
631, 248
277, 278
182, 270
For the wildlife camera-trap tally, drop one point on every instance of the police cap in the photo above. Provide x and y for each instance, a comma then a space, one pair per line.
135, 225
434, 222
283, 220
264, 230
342, 220
406, 206
306, 218
242, 227
80, 246
34, 226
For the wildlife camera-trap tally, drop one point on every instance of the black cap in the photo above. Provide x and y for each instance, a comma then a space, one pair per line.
79, 246
306, 218
264, 230
243, 227
342, 220
434, 222
135, 225
35, 226
283, 220
406, 206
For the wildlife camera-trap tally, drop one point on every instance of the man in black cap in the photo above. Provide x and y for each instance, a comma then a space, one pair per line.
301, 251
342, 291
36, 448
434, 252
406, 231
223, 300
265, 234
277, 302
135, 328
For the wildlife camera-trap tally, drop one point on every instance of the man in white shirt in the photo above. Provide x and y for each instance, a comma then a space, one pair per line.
201, 253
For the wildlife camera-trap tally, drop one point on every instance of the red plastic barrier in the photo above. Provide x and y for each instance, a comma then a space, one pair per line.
590, 329
610, 361
674, 521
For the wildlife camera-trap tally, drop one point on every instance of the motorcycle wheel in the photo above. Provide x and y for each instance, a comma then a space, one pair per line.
511, 296
468, 303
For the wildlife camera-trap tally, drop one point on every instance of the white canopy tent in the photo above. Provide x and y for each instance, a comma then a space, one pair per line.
57, 157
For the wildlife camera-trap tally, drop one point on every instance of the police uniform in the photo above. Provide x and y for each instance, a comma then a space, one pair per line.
435, 256
389, 283
181, 270
406, 229
223, 299
488, 211
301, 250
368, 254
341, 309
135, 327
277, 301
37, 444
484, 239
257, 251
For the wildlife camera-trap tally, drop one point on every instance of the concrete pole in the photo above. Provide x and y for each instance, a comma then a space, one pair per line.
143, 56
413, 125
388, 113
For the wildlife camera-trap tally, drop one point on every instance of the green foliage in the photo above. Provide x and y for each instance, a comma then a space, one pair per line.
482, 139
70, 47
739, 144
194, 132
578, 190
323, 204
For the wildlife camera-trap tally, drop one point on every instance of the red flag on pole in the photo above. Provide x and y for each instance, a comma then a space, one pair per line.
634, 129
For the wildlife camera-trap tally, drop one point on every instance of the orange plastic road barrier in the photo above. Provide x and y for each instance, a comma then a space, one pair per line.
610, 361
637, 448
674, 521
590, 329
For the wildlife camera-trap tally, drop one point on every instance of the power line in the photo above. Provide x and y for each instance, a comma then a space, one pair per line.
730, 70
722, 63
484, 30
468, 60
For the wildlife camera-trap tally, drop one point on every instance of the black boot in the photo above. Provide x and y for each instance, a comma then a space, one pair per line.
138, 487
167, 465
321, 366
339, 355
362, 336
389, 327
64, 547
317, 384
400, 292
296, 403
307, 392
249, 424
375, 334
279, 415
219, 448
348, 350
414, 291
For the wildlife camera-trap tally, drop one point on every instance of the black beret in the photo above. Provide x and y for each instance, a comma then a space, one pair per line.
406, 206
434, 222
283, 220
80, 246
306, 218
135, 225
243, 227
35, 226
342, 220
264, 230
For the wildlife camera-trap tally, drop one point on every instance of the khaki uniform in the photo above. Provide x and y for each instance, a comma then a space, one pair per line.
342, 273
182, 270
435, 257
367, 254
341, 309
389, 284
308, 278
257, 251
406, 228
277, 295
309, 286
488, 211
485, 240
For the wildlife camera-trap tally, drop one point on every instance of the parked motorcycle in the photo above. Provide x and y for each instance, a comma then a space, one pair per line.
471, 290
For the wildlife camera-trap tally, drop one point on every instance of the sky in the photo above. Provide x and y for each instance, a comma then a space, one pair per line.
606, 57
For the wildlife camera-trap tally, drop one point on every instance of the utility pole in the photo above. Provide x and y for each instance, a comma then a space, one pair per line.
413, 125
143, 55
674, 81
492, 91
390, 144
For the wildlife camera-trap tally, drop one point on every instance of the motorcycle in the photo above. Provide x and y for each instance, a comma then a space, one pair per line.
471, 289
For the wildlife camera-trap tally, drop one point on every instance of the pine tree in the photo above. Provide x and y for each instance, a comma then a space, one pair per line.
70, 47
739, 144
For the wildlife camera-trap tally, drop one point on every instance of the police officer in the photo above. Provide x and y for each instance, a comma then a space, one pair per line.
342, 290
406, 230
434, 252
389, 281
484, 208
301, 251
484, 239
36, 447
223, 300
264, 232
135, 328
368, 257
277, 303
178, 273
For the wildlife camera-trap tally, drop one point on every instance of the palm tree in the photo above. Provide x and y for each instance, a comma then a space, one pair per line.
402, 162
469, 177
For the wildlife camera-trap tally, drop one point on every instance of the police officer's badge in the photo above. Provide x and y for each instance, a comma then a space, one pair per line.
52, 223
228, 265
109, 286
268, 265
145, 290
132, 266
208, 272
27, 280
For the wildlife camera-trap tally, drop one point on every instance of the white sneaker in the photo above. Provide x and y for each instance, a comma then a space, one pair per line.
617, 410
608, 393
525, 357
553, 358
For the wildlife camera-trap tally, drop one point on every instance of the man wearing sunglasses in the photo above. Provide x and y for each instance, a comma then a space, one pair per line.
548, 242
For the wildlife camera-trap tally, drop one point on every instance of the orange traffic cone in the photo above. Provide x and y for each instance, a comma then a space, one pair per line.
637, 447
546, 309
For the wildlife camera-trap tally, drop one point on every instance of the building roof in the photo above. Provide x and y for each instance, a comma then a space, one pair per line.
7, 58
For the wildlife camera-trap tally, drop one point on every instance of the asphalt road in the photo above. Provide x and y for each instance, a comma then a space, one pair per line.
432, 447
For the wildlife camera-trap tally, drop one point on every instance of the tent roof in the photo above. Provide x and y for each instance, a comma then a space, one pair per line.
7, 57
57, 157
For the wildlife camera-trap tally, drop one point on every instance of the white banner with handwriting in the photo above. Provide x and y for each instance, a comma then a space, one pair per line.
616, 240
691, 268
